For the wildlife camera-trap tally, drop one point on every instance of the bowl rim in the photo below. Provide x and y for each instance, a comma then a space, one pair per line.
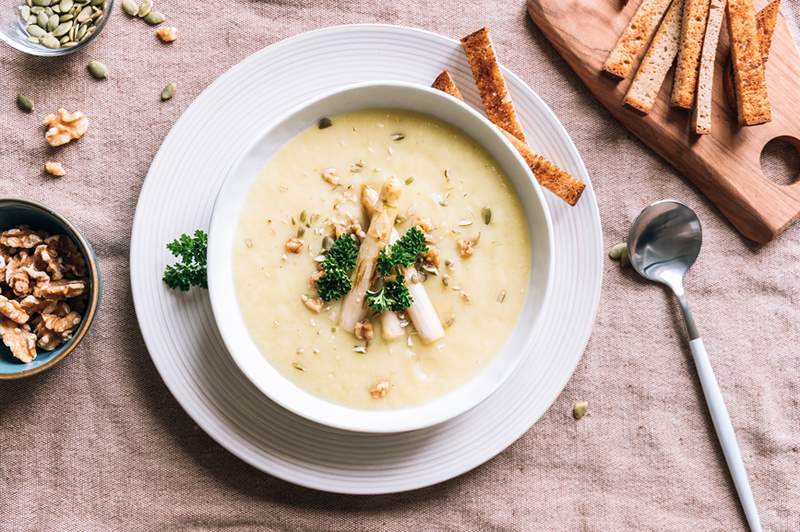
91, 311
343, 423
58, 52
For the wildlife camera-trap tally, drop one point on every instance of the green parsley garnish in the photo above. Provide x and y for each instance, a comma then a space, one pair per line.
191, 270
393, 296
339, 262
404, 252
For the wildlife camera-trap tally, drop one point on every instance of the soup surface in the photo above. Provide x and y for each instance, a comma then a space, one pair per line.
451, 188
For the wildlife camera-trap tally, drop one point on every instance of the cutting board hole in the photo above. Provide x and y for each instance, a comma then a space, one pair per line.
780, 160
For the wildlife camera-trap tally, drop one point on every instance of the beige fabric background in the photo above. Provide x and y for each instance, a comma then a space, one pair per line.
98, 443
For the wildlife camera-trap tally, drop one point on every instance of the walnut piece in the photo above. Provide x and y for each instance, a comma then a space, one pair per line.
55, 168
61, 289
433, 255
21, 237
465, 247
167, 33
46, 258
17, 277
380, 389
22, 343
364, 331
329, 176
53, 330
12, 310
293, 245
64, 127
314, 304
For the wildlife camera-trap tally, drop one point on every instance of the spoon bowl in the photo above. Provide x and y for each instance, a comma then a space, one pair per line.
664, 241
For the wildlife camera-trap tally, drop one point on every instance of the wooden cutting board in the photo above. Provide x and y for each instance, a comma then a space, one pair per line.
725, 165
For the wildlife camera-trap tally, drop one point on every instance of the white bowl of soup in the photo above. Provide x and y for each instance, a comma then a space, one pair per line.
378, 259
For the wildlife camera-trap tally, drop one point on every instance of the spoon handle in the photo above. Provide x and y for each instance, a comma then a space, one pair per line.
725, 434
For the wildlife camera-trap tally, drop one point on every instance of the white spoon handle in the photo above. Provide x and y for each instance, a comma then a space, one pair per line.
724, 428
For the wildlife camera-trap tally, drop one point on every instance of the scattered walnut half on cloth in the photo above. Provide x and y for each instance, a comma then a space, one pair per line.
43, 285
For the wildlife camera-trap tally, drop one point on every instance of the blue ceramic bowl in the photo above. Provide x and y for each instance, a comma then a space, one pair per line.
15, 212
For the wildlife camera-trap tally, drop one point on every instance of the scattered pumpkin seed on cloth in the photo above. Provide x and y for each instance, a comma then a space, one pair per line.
169, 91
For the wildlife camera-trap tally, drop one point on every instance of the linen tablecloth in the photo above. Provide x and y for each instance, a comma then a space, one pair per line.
98, 443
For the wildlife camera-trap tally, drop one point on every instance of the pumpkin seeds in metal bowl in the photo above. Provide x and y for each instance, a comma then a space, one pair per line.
56, 27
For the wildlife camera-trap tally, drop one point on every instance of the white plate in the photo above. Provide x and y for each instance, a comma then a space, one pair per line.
179, 330
222, 237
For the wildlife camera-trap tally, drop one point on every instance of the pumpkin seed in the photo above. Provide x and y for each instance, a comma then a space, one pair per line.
145, 8
24, 12
100, 3
327, 243
31, 19
48, 11
324, 123
80, 33
616, 251
154, 18
62, 29
35, 10
298, 366
409, 180
66, 17
52, 22
130, 7
69, 44
486, 214
41, 19
48, 41
66, 5
85, 14
36, 31
501, 296
397, 137
97, 69
303, 215
168, 92
579, 409
32, 40
41, 3
55, 9
24, 103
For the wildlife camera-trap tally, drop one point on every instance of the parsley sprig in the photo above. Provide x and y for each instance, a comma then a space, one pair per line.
404, 252
394, 294
192, 269
339, 262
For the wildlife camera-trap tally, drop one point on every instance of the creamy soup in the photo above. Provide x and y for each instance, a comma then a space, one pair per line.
451, 189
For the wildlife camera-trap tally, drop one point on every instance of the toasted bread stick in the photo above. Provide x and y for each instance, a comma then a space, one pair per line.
752, 100
693, 28
634, 39
553, 178
766, 21
653, 69
491, 85
445, 83
556, 180
701, 117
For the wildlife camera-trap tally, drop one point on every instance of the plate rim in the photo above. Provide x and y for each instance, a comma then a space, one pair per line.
233, 447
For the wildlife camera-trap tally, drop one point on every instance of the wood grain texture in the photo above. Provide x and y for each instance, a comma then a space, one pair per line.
725, 164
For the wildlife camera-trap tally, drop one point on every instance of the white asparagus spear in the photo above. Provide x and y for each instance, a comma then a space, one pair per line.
380, 227
390, 323
422, 313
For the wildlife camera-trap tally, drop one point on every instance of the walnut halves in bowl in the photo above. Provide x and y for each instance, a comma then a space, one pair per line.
43, 287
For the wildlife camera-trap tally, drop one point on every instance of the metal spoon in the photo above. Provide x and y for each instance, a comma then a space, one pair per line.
663, 243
